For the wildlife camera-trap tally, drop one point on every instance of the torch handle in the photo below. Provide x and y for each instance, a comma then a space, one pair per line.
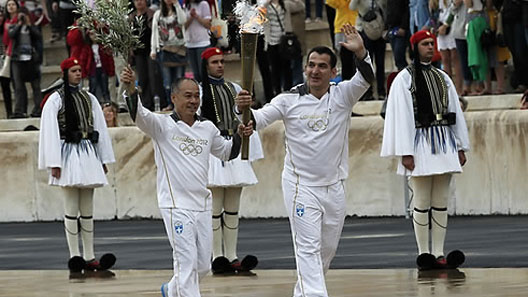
244, 150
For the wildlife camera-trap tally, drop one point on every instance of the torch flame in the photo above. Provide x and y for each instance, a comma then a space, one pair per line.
252, 17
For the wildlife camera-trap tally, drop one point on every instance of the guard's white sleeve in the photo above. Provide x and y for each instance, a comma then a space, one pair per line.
460, 127
49, 138
104, 144
399, 129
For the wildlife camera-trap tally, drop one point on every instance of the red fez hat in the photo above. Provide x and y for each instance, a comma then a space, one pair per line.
69, 63
212, 51
421, 35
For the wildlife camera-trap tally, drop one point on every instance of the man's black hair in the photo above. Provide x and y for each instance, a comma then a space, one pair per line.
323, 50
175, 87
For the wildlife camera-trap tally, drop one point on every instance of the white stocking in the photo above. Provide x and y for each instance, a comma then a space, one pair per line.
422, 202
86, 223
439, 213
71, 212
230, 228
218, 206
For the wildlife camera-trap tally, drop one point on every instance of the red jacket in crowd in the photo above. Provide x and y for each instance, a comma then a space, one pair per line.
82, 50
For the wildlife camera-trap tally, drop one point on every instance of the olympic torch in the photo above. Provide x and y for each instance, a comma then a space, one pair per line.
251, 19
248, 55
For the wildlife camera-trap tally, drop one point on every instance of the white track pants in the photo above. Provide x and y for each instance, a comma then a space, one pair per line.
190, 236
316, 216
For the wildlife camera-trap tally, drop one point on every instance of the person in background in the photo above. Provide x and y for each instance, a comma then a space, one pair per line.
498, 54
419, 15
512, 21
75, 147
26, 49
110, 110
457, 23
279, 16
226, 178
299, 29
375, 47
425, 129
167, 43
65, 9
5, 81
446, 42
343, 16
524, 101
149, 72
197, 37
397, 24
318, 10
477, 54
101, 67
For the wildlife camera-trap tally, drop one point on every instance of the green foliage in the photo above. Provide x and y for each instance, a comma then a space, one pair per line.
108, 20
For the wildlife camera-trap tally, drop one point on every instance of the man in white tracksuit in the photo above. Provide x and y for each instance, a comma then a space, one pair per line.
316, 116
182, 144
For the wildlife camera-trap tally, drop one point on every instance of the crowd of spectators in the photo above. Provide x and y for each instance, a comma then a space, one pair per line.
476, 39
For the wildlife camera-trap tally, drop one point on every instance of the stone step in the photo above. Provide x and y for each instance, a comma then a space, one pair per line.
54, 53
123, 119
364, 108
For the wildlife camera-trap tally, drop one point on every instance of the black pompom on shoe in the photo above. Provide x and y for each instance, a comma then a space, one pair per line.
455, 259
425, 261
107, 261
221, 265
249, 262
76, 264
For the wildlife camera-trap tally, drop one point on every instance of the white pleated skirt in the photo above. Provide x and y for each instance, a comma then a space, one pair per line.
435, 152
237, 172
81, 167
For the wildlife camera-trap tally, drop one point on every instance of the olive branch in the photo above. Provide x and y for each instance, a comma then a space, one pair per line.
108, 20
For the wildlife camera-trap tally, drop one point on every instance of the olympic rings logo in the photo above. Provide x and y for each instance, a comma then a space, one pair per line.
191, 149
318, 125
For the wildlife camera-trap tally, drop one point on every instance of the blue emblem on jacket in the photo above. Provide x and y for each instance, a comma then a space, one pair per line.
299, 209
178, 227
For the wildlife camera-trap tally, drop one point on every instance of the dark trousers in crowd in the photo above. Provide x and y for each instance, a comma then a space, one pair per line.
6, 92
376, 50
264, 68
150, 81
67, 17
318, 8
348, 64
297, 71
513, 36
462, 50
330, 16
56, 26
281, 74
399, 50
19, 70
99, 85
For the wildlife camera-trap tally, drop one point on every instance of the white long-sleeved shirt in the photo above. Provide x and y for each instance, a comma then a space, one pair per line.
181, 153
316, 131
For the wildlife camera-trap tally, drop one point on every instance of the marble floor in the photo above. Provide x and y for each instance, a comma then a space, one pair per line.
466, 282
